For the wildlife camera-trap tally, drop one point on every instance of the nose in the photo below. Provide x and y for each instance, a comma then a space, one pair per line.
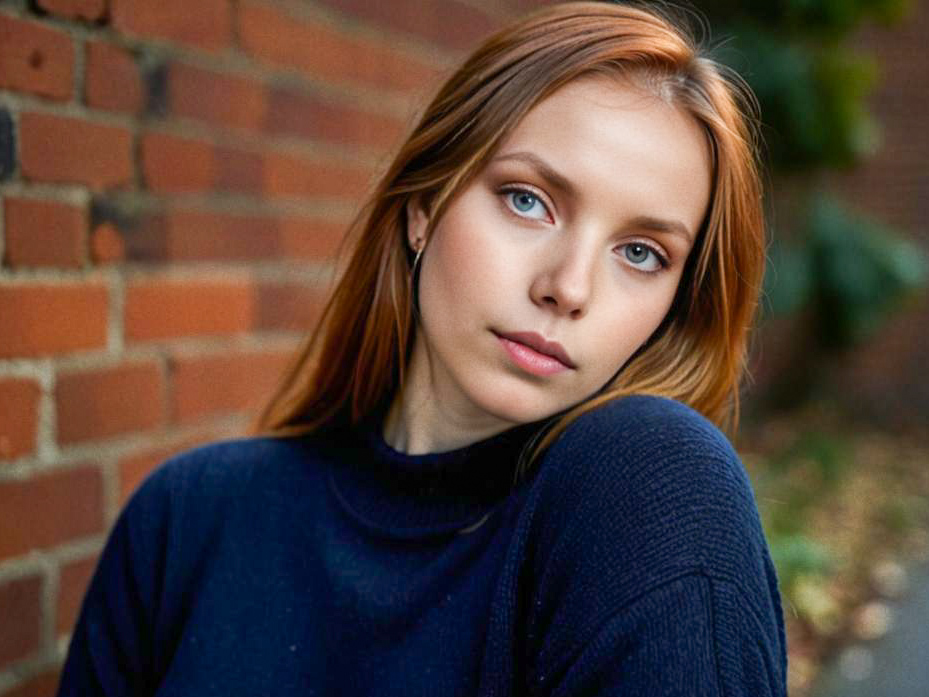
565, 282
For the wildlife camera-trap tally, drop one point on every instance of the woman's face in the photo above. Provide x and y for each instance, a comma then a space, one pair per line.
560, 258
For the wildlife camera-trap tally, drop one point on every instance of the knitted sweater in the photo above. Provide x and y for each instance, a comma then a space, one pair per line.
630, 562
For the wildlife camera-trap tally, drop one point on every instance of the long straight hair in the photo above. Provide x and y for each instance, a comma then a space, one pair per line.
356, 357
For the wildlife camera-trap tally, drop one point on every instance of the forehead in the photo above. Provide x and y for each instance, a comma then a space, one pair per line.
619, 143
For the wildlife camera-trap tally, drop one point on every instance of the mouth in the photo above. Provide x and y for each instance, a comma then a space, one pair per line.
534, 353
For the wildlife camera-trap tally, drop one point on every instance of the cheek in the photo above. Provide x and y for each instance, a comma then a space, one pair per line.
627, 323
465, 269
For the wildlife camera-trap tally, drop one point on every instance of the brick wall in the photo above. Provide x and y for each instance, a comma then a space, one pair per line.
174, 178
883, 380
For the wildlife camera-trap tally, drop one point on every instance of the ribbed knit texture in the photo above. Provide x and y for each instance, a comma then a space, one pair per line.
630, 561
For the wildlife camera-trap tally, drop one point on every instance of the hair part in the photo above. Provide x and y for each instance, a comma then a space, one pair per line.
356, 357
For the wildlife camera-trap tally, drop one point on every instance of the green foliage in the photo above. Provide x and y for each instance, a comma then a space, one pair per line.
812, 89
851, 271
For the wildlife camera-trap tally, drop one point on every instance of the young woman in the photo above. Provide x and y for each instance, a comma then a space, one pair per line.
497, 468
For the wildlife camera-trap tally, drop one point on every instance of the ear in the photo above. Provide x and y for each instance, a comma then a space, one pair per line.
417, 222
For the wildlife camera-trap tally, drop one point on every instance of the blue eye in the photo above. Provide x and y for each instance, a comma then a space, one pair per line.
526, 204
638, 254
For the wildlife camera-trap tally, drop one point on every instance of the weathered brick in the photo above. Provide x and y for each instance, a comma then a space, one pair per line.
64, 149
43, 233
445, 22
202, 236
74, 580
209, 385
291, 176
296, 114
238, 170
43, 319
106, 244
289, 306
164, 309
21, 608
177, 165
7, 145
216, 98
271, 34
71, 505
19, 422
208, 25
100, 403
35, 58
312, 240
113, 80
90, 10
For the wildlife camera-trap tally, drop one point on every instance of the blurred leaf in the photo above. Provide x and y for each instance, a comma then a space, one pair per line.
798, 555
861, 270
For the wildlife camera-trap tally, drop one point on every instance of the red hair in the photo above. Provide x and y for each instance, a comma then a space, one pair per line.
356, 357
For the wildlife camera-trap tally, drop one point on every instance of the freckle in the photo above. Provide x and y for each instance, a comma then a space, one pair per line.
36, 59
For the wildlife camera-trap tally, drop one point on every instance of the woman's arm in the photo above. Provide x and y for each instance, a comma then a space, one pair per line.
651, 572
113, 648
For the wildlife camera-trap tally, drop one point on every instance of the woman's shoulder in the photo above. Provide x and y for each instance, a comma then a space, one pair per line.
654, 442
224, 470
651, 477
638, 494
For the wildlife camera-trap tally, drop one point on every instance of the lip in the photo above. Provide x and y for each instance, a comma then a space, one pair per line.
536, 354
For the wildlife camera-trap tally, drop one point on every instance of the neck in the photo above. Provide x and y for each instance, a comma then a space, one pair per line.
425, 418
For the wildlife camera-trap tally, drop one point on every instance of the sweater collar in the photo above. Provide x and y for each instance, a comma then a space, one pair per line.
404, 495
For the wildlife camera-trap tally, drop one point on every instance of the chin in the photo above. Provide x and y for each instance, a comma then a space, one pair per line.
516, 404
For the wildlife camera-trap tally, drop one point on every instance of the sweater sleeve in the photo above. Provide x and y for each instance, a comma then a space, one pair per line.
651, 570
688, 638
112, 650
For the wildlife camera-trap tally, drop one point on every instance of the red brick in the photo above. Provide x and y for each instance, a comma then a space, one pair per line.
188, 235
206, 25
43, 233
321, 51
74, 580
71, 505
217, 98
168, 309
63, 149
291, 176
109, 401
177, 165
296, 114
238, 170
45, 319
113, 80
75, 9
21, 608
106, 245
35, 59
289, 306
208, 385
20, 400
312, 240
42, 685
201, 236
444, 22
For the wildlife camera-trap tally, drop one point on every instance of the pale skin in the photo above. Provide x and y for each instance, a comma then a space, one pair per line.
578, 231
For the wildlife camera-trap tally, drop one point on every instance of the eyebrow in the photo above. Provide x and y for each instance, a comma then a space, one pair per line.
545, 170
559, 181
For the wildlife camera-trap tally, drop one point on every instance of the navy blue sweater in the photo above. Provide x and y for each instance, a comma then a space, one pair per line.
630, 562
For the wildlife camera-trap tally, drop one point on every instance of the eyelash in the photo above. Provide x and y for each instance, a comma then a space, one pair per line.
663, 261
509, 190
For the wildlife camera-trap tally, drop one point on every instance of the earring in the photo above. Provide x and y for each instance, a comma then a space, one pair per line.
419, 254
